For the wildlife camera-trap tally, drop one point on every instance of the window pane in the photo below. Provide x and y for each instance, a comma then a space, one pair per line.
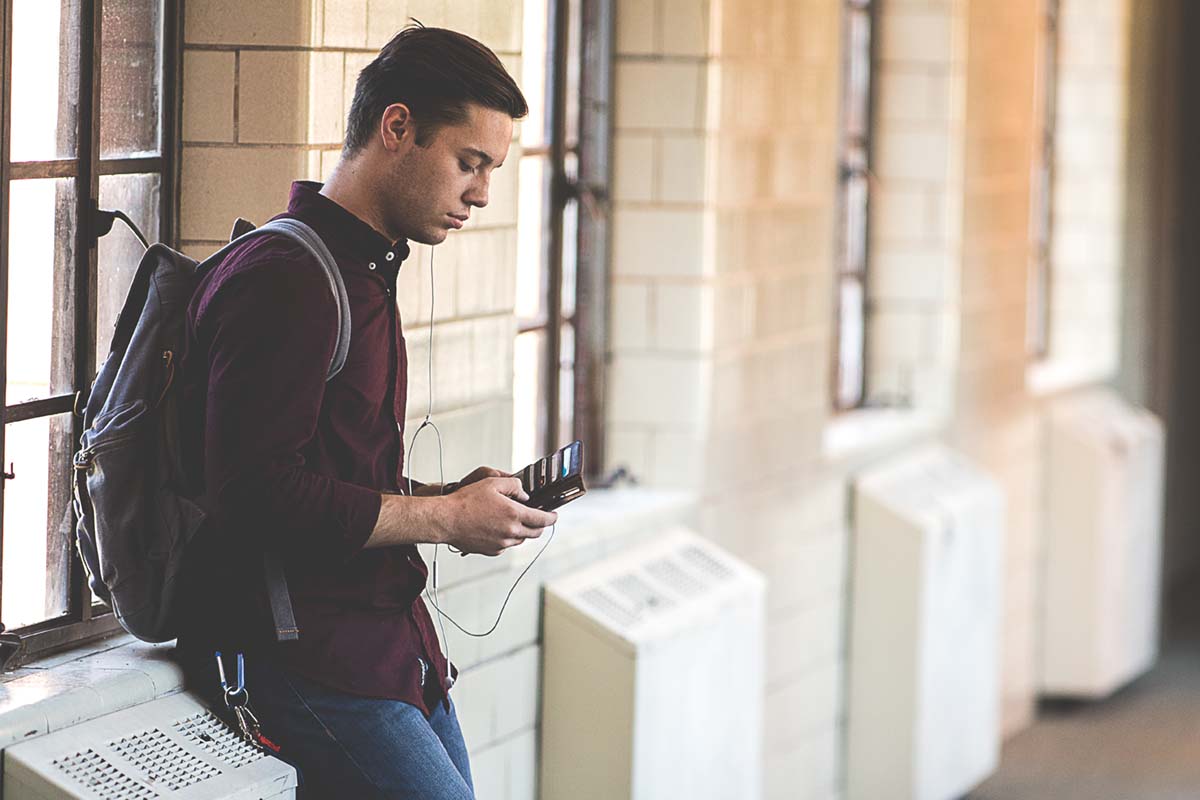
855, 220
37, 521
566, 387
40, 289
570, 254
858, 77
45, 79
531, 238
574, 65
533, 73
528, 357
119, 252
131, 69
851, 340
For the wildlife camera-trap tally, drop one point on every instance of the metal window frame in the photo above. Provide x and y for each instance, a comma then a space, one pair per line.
844, 173
83, 621
591, 189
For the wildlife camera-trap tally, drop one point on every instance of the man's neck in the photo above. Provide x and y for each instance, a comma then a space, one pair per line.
348, 186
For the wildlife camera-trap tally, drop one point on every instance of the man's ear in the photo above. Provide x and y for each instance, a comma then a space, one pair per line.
396, 127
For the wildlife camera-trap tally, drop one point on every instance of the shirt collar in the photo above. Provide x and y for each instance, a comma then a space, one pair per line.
349, 238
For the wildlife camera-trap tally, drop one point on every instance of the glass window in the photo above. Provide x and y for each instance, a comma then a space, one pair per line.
70, 150
118, 253
548, 231
131, 75
855, 190
41, 260
44, 88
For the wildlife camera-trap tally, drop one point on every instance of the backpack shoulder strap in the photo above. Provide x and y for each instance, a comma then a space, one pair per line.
278, 595
308, 238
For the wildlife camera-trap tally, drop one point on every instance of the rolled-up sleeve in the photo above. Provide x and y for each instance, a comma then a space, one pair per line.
269, 329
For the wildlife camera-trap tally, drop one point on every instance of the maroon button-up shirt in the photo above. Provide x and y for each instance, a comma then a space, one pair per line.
298, 464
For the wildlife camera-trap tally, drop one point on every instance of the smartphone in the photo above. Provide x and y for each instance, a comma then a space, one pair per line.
555, 480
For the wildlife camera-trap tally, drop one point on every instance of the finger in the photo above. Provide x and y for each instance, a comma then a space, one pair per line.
536, 518
480, 473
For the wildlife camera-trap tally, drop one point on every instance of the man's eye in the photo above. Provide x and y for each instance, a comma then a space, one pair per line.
464, 166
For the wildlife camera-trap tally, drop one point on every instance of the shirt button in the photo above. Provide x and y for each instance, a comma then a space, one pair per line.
390, 256
371, 265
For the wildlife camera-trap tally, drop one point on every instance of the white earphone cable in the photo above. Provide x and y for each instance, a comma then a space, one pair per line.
429, 423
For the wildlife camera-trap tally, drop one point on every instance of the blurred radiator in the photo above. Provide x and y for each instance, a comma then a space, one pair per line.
924, 657
1103, 545
653, 677
170, 747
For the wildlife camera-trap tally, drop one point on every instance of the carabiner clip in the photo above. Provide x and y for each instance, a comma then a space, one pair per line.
231, 692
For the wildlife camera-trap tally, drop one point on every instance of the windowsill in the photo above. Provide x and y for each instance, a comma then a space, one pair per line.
857, 433
1049, 376
82, 684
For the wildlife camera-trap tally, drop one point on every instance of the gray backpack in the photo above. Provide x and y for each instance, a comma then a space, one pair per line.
136, 510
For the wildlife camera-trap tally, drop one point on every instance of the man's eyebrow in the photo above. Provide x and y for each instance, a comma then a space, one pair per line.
482, 156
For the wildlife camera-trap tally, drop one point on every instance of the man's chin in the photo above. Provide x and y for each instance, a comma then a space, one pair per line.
432, 236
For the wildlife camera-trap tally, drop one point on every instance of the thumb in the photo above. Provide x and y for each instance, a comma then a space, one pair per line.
510, 487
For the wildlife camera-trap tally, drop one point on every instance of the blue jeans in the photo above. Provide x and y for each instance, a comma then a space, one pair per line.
348, 746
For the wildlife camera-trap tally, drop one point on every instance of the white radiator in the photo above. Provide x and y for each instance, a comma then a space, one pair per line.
172, 747
1100, 600
924, 660
653, 677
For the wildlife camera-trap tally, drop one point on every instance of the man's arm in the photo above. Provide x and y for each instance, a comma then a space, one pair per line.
268, 329
486, 516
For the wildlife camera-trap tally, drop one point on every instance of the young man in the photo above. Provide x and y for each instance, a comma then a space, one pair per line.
360, 702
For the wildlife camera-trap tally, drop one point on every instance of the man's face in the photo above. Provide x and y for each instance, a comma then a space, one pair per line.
434, 186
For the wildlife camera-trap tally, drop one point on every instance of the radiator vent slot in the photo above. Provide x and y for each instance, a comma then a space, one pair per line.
667, 572
640, 595
648, 590
215, 737
706, 564
100, 778
162, 760
603, 604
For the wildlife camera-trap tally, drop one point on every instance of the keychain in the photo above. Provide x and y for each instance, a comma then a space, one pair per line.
237, 700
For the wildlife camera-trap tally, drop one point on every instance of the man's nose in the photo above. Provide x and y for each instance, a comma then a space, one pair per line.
477, 195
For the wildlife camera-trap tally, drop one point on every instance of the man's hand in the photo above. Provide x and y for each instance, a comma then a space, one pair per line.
476, 475
486, 515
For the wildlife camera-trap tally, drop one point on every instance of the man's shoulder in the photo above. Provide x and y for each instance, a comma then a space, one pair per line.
262, 252
270, 263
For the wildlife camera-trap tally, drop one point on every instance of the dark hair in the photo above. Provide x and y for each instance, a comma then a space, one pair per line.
436, 73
